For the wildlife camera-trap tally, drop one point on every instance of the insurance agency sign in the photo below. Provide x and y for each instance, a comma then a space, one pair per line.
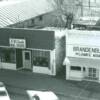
83, 51
17, 43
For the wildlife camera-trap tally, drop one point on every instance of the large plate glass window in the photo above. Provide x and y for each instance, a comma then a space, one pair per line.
8, 55
75, 68
41, 58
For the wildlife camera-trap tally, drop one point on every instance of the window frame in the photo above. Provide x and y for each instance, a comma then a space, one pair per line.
75, 68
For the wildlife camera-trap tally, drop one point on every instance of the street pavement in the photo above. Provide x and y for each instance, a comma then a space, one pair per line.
17, 82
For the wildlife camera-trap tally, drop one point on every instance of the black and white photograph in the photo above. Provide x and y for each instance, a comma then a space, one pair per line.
49, 49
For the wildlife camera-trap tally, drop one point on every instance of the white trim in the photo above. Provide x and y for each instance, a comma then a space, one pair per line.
52, 62
42, 70
99, 75
82, 45
27, 48
67, 72
7, 47
38, 49
11, 66
66, 45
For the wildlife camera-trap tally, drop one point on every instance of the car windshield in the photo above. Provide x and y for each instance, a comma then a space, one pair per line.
3, 93
1, 84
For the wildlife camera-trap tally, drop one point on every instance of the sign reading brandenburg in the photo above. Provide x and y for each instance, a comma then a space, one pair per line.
17, 43
83, 51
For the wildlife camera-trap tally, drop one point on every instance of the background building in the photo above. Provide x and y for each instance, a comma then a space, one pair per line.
22, 12
82, 55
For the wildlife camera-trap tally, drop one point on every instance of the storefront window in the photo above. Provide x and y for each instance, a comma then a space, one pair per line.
7, 55
40, 61
75, 68
41, 58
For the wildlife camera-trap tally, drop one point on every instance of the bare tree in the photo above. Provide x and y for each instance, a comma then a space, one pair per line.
57, 6
64, 12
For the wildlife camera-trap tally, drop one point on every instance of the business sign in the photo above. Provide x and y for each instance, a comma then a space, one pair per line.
17, 43
83, 51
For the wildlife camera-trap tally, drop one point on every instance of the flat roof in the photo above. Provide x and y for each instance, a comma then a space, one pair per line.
83, 32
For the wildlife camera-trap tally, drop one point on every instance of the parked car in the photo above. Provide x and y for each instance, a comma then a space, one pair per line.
3, 92
42, 95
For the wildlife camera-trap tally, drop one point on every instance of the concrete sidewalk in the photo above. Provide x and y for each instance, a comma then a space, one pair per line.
20, 81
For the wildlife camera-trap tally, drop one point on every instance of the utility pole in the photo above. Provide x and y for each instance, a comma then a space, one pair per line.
89, 3
81, 7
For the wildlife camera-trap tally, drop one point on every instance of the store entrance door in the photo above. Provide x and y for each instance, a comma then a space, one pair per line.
93, 73
27, 59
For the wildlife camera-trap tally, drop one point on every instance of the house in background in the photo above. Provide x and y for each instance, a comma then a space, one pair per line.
21, 13
50, 19
28, 13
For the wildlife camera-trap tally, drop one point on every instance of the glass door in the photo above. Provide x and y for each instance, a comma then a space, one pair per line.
93, 73
27, 59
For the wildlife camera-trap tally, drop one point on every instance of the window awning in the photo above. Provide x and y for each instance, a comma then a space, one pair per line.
85, 62
66, 61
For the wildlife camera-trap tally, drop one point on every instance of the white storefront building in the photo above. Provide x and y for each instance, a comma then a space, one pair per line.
82, 55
